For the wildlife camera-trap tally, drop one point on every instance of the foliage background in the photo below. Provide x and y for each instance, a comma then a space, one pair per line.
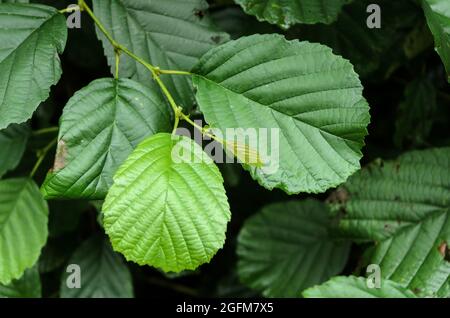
404, 82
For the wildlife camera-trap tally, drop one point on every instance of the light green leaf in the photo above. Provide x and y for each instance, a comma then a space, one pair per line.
23, 227
311, 97
437, 13
286, 13
170, 34
27, 286
13, 141
101, 125
31, 36
167, 207
103, 272
356, 287
404, 206
288, 247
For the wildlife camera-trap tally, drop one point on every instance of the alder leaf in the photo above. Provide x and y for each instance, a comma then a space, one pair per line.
403, 205
23, 227
13, 141
100, 126
356, 287
286, 13
31, 37
288, 247
167, 207
304, 100
103, 272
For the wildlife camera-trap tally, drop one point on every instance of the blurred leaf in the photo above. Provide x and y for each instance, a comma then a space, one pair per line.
231, 174
287, 13
103, 272
288, 247
13, 1
56, 253
403, 205
13, 141
416, 113
27, 286
370, 50
356, 287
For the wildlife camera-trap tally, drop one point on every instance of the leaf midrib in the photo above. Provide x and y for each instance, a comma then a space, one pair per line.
273, 110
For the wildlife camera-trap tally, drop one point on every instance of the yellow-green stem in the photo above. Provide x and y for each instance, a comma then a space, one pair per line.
117, 59
156, 71
42, 155
69, 9
45, 131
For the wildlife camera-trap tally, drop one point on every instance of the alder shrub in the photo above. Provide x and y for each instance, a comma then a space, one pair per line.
105, 193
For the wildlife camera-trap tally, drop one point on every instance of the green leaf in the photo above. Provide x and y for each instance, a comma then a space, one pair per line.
27, 286
404, 206
416, 114
100, 126
13, 141
437, 13
356, 287
23, 227
103, 272
31, 36
167, 207
286, 13
310, 96
288, 247
170, 34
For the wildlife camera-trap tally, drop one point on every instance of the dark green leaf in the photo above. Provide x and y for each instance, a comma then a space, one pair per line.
13, 141
404, 206
309, 96
101, 125
31, 36
288, 247
286, 13
103, 272
27, 286
356, 287
23, 227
